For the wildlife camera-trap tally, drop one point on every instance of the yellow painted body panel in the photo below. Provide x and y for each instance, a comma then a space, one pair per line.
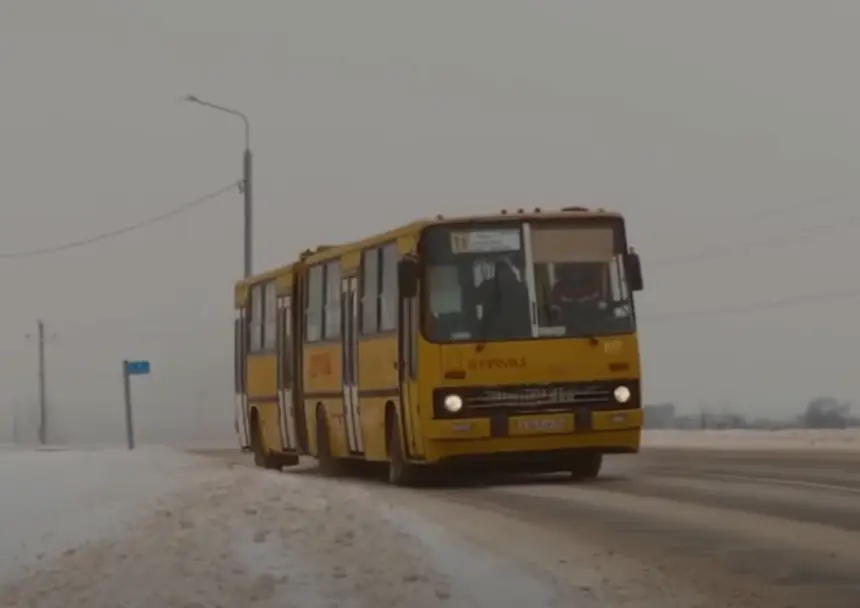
373, 427
378, 375
262, 376
284, 283
377, 363
479, 428
526, 362
440, 450
269, 417
532, 361
336, 425
322, 378
322, 367
262, 391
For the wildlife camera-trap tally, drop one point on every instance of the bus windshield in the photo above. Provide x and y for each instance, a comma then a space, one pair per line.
514, 280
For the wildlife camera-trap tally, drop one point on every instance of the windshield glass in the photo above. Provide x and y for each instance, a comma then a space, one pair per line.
475, 284
580, 283
482, 284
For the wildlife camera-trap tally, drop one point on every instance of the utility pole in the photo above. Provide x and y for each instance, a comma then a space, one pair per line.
43, 401
43, 393
247, 181
248, 189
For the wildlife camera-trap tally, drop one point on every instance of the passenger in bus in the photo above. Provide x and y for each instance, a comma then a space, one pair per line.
505, 302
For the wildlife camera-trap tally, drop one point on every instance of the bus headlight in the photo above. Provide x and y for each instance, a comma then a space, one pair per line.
621, 394
453, 403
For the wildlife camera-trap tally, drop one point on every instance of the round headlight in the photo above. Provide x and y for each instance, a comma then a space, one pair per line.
453, 403
621, 394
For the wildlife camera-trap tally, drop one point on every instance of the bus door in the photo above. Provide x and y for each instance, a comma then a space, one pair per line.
407, 372
351, 412
240, 359
286, 356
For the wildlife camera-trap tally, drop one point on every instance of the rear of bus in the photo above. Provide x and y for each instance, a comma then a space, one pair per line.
527, 348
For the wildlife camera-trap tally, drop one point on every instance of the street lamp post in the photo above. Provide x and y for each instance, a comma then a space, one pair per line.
247, 179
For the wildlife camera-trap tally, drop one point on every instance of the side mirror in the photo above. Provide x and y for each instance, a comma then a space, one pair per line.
407, 277
633, 267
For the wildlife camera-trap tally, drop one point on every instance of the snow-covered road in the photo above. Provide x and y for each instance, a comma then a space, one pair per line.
162, 528
841, 440
670, 528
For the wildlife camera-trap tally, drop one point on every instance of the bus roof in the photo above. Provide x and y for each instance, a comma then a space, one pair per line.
537, 213
331, 252
266, 275
243, 286
327, 252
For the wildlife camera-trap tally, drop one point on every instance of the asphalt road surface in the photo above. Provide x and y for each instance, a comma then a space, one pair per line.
695, 527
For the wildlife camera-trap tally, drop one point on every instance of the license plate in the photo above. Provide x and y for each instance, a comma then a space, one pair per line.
541, 425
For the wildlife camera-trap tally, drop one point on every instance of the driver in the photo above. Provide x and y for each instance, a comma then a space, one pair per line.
578, 284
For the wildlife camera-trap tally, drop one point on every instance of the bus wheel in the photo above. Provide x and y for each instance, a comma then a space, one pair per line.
262, 457
325, 460
257, 447
587, 466
400, 472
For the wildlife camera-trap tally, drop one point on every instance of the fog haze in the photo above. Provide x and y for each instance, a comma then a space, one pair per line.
726, 131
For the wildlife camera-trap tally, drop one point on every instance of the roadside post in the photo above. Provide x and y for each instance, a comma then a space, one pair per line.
129, 369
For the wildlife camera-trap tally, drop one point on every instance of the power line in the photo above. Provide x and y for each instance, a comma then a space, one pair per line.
769, 242
782, 209
772, 211
774, 241
755, 307
184, 208
779, 239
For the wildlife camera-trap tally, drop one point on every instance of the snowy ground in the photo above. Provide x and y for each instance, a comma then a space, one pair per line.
156, 527
793, 439
161, 528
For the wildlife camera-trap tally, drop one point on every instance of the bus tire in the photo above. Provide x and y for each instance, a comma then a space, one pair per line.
400, 472
262, 457
587, 466
287, 460
325, 460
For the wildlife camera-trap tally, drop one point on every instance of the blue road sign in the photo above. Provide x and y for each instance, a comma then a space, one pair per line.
137, 368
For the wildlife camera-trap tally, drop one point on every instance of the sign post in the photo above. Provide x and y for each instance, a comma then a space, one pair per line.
129, 369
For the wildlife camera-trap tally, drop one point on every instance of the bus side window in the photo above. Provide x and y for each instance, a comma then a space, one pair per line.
270, 314
369, 285
314, 305
388, 289
255, 324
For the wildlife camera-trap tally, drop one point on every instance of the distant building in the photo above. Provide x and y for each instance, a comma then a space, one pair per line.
826, 413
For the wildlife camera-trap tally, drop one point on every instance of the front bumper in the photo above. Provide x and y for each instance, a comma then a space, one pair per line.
535, 427
531, 438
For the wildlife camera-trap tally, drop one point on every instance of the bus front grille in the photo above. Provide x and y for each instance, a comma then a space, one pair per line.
480, 401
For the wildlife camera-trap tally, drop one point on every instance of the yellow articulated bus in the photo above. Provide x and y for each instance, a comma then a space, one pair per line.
503, 341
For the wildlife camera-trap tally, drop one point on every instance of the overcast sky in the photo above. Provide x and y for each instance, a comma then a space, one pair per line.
724, 130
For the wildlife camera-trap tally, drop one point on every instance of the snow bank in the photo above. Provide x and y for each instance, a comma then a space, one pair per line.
54, 500
800, 439
158, 528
